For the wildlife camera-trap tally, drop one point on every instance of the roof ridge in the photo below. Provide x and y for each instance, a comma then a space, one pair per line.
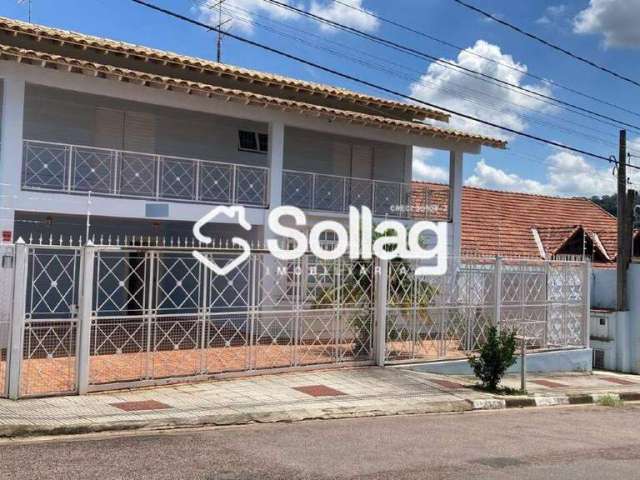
511, 192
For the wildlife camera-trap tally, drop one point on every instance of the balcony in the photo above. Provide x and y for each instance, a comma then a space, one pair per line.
60, 167
332, 193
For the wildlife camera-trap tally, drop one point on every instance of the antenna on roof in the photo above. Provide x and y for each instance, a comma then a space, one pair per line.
218, 5
28, 2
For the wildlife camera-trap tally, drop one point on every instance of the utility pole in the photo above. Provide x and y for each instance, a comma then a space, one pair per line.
624, 227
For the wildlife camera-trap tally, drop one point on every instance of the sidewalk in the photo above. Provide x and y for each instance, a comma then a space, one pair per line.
325, 394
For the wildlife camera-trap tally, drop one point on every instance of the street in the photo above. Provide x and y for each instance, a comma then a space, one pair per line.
572, 442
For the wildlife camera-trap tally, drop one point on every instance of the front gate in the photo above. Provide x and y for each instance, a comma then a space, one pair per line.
101, 317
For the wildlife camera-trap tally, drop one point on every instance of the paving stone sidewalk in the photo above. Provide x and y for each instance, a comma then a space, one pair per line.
324, 394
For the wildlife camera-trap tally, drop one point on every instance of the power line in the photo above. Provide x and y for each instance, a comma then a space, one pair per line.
549, 44
472, 95
376, 86
446, 63
484, 57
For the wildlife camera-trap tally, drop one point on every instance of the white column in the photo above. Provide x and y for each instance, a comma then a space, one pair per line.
84, 318
17, 318
11, 147
276, 163
380, 311
455, 202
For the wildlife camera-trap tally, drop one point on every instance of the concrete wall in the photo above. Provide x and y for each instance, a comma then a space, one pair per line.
309, 151
634, 316
577, 360
65, 116
603, 288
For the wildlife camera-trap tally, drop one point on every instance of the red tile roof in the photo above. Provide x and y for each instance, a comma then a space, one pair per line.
502, 223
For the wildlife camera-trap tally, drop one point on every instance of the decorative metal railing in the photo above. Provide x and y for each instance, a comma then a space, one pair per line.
333, 193
108, 172
103, 316
446, 316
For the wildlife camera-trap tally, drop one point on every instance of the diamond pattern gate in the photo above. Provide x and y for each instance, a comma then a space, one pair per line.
50, 323
159, 313
440, 317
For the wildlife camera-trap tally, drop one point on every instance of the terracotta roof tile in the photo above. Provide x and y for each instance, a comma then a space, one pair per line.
122, 48
501, 223
47, 60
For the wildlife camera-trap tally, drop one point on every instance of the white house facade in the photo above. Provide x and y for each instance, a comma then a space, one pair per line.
108, 138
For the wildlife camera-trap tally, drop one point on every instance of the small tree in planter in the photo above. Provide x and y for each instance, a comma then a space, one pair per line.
496, 356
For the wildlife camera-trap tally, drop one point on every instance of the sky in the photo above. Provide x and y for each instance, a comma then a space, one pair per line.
604, 31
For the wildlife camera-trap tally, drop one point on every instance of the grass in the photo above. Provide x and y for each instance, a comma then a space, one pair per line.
609, 400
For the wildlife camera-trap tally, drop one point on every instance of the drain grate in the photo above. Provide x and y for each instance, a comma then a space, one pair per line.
319, 391
141, 405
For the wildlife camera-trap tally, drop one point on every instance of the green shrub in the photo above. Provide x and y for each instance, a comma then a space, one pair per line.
609, 400
496, 356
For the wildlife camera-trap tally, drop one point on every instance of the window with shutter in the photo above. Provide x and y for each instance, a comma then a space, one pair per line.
109, 131
139, 132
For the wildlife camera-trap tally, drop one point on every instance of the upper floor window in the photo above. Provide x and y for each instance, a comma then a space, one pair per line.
253, 141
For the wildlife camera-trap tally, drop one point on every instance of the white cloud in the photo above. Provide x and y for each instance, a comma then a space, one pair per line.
616, 20
551, 14
244, 9
423, 170
345, 14
446, 86
567, 174
486, 176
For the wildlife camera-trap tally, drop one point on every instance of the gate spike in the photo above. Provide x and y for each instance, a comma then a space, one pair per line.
109, 239
40, 239
60, 240
31, 238
80, 240
118, 239
156, 240
50, 239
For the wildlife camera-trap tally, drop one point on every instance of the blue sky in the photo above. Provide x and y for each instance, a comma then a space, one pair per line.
602, 30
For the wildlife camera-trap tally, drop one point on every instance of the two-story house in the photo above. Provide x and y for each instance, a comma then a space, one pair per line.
105, 138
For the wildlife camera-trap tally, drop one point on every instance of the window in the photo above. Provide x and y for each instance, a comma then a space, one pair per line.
253, 141
603, 322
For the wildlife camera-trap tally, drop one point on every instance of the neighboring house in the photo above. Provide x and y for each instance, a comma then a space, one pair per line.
156, 138
514, 224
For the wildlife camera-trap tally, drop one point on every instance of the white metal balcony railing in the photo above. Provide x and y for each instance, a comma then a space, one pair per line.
334, 193
101, 171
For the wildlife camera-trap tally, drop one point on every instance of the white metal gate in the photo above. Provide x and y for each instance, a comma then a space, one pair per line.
97, 317
444, 317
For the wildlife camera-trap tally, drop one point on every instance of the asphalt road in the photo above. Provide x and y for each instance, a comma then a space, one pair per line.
556, 443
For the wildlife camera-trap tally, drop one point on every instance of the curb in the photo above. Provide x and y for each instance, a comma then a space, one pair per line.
405, 407
408, 406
